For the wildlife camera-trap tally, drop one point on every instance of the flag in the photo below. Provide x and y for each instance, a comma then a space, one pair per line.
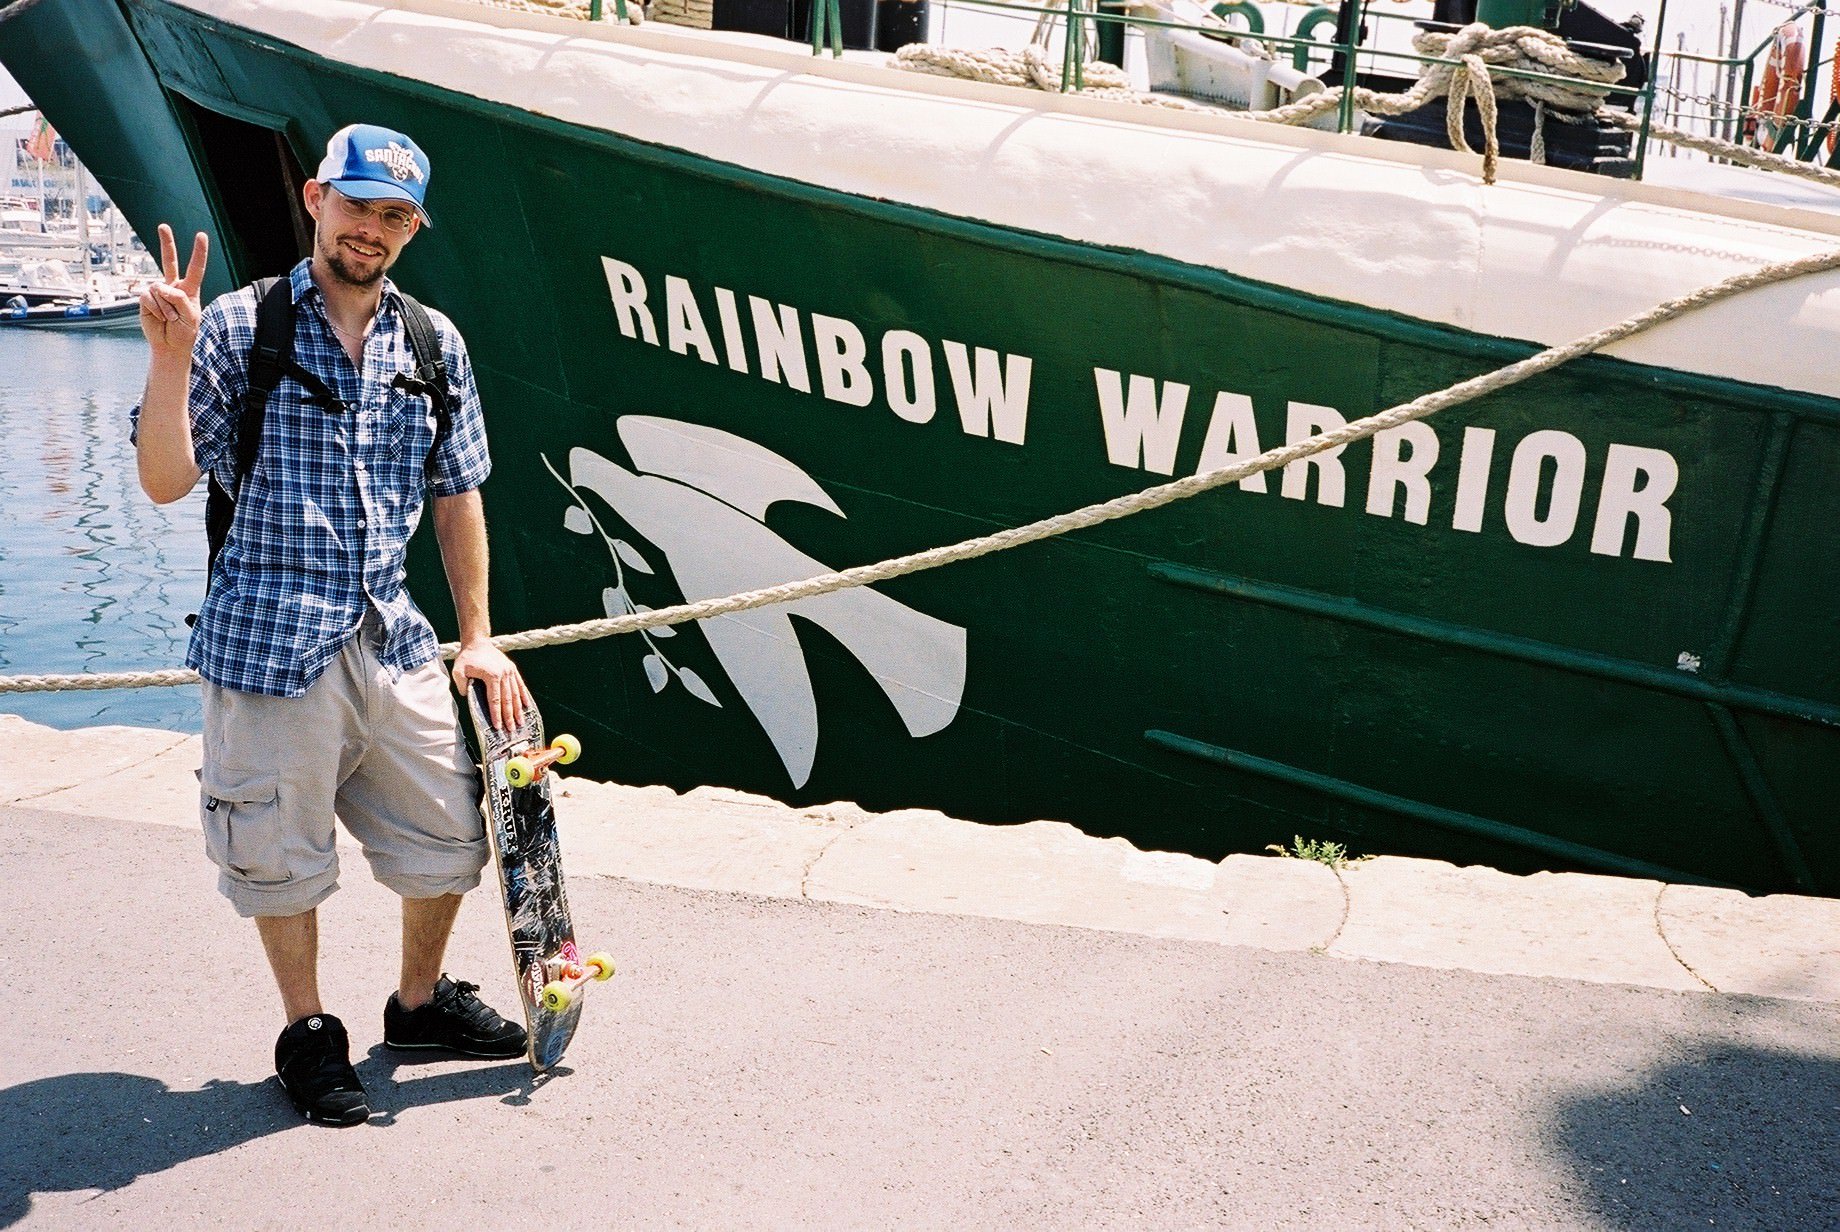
38, 145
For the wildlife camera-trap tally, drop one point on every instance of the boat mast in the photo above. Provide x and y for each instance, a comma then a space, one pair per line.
81, 203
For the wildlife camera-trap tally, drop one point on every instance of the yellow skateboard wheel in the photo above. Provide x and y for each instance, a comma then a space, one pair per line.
570, 746
557, 997
601, 965
517, 772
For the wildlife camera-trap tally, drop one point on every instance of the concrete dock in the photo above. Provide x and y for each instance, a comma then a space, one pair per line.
830, 1018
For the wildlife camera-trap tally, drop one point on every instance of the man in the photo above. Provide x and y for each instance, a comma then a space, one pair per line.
323, 686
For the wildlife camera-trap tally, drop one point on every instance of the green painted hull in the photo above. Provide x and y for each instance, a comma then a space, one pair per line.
1213, 677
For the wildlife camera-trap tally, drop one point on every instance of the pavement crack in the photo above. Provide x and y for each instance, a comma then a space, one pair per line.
1661, 932
811, 865
1347, 909
151, 757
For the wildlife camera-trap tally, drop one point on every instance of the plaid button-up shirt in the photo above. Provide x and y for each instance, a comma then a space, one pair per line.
323, 521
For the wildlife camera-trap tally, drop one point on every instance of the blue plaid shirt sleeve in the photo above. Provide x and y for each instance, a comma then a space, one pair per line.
219, 377
463, 461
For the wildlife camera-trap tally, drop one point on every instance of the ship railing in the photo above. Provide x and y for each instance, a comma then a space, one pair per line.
1090, 27
1086, 25
1733, 117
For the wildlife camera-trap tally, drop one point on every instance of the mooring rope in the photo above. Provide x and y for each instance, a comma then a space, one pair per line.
1748, 155
1091, 515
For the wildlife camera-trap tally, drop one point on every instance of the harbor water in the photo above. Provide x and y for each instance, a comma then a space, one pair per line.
94, 577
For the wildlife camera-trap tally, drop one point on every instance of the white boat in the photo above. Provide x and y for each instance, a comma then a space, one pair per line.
90, 314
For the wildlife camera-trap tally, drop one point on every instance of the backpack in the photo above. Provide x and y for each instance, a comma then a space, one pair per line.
271, 358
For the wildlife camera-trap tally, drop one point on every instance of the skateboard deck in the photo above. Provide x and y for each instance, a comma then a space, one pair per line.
521, 826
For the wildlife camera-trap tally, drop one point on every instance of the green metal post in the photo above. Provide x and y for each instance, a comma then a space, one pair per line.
1349, 44
1648, 90
1805, 107
594, 10
1744, 100
827, 27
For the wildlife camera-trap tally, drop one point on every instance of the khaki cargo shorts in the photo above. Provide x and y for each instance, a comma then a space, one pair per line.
381, 751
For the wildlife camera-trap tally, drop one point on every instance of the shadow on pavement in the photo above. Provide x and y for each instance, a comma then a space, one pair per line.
75, 1132
1727, 1137
101, 1131
396, 1084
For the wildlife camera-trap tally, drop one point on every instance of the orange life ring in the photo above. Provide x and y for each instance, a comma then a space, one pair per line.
1833, 108
1781, 89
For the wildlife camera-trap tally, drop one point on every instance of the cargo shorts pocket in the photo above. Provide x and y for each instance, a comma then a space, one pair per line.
242, 824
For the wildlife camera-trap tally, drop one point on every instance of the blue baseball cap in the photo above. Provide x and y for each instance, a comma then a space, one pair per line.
369, 163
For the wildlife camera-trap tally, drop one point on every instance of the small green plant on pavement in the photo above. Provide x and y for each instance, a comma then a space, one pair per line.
1323, 852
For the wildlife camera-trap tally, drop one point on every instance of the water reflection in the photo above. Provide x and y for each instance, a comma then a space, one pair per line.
93, 576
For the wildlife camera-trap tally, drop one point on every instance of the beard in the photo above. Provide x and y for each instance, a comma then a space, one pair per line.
340, 263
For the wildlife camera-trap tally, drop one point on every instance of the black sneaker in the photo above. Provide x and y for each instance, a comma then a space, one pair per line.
313, 1061
454, 1020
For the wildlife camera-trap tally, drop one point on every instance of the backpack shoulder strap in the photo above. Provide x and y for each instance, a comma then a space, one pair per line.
425, 345
270, 356
271, 360
430, 363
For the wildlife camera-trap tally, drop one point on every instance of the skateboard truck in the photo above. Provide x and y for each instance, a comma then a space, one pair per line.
525, 769
568, 978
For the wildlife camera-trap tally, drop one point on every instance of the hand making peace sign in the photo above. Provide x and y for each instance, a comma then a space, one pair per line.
170, 309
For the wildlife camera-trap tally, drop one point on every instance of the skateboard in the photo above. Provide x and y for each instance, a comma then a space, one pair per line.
521, 824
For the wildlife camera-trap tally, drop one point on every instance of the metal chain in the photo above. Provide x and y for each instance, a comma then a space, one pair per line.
1743, 110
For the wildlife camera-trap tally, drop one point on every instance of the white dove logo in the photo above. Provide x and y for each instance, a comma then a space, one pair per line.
700, 496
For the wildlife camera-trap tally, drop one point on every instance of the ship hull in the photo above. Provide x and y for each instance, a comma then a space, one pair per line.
1591, 622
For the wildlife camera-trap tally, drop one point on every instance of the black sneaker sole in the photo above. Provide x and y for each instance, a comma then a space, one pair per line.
483, 1052
338, 1120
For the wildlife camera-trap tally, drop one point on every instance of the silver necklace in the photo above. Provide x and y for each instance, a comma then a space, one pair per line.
360, 337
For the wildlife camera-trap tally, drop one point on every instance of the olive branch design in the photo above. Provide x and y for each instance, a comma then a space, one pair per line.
617, 600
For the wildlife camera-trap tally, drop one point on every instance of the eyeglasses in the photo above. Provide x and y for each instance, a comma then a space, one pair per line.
393, 219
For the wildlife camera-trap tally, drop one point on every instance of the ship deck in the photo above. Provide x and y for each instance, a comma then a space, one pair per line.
1742, 184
